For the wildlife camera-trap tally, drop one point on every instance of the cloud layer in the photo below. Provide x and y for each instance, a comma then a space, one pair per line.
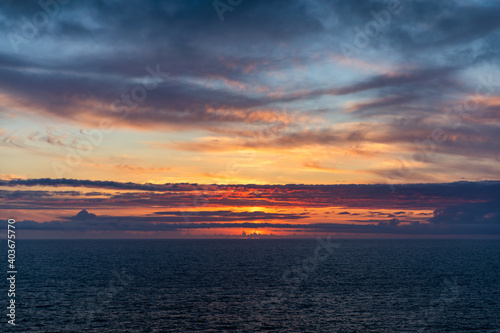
463, 208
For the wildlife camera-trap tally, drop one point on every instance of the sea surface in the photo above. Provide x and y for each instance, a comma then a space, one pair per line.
255, 286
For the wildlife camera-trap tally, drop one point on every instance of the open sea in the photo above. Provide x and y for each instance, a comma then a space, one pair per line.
255, 286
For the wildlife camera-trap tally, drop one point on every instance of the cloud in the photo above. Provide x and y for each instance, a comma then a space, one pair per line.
317, 166
267, 90
84, 215
261, 81
132, 168
383, 227
391, 223
409, 196
462, 208
469, 213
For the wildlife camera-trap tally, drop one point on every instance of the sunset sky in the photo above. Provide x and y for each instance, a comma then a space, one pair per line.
354, 118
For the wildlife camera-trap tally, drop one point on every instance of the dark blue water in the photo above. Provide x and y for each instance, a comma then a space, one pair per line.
256, 285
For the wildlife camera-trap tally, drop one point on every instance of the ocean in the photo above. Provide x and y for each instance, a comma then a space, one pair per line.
255, 285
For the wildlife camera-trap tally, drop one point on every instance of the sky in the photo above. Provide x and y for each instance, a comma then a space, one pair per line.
250, 119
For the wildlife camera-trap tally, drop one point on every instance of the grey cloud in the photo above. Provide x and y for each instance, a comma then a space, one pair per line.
469, 213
